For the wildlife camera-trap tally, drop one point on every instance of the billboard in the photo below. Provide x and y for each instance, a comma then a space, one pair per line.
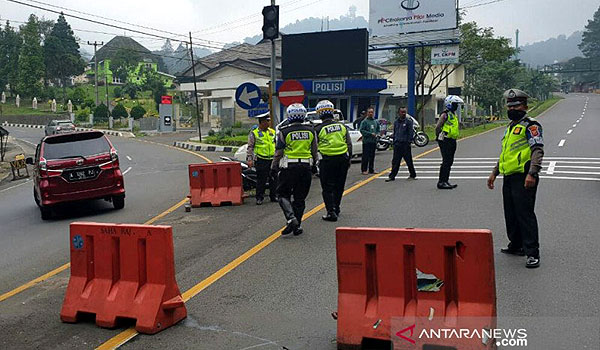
445, 54
340, 53
389, 17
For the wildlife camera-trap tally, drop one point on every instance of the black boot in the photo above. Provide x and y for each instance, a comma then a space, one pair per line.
298, 213
330, 217
288, 212
444, 186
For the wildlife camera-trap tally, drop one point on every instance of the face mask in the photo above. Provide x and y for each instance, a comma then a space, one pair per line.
515, 114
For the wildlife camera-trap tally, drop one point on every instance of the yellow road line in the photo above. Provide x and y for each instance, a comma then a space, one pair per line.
130, 333
67, 265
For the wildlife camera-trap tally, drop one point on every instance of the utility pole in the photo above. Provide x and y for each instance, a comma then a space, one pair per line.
273, 78
195, 90
96, 44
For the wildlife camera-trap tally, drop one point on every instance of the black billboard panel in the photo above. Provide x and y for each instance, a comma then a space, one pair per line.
341, 53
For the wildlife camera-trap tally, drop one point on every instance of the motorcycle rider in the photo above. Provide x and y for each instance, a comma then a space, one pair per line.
295, 159
261, 148
446, 132
335, 146
404, 133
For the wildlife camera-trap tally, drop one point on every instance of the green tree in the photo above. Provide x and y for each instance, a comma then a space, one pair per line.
101, 113
31, 60
118, 92
153, 82
61, 53
137, 112
77, 96
119, 111
131, 89
123, 62
590, 43
10, 45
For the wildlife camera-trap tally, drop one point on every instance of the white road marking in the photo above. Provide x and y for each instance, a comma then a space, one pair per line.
128, 158
496, 159
577, 167
562, 143
551, 167
574, 125
569, 132
577, 172
499, 177
126, 171
15, 186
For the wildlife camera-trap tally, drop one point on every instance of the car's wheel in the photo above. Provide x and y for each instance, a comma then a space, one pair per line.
35, 198
46, 213
118, 202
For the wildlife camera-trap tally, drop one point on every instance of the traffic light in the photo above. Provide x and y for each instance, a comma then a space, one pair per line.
270, 22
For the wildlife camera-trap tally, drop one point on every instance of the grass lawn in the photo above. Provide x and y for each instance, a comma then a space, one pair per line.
9, 108
226, 141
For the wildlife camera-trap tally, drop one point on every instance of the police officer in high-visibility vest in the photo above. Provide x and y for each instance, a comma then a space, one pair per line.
335, 147
446, 132
520, 163
261, 148
295, 159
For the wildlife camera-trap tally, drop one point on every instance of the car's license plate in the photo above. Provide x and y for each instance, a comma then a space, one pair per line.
82, 174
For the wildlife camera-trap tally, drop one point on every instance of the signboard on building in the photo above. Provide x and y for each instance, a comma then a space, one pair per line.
328, 87
445, 54
389, 17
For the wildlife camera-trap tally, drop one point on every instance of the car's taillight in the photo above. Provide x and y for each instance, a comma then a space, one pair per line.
114, 157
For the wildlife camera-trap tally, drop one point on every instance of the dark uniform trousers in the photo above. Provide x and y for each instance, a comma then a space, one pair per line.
263, 174
333, 171
294, 181
521, 222
402, 150
368, 157
447, 149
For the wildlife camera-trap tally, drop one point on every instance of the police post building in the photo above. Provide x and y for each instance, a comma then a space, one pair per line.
333, 65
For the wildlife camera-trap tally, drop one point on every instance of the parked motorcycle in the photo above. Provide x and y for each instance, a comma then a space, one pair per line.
420, 140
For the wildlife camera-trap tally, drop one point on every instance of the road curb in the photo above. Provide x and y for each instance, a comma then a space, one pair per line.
125, 134
204, 148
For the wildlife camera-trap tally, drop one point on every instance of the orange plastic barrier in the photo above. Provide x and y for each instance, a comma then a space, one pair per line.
216, 184
378, 284
123, 271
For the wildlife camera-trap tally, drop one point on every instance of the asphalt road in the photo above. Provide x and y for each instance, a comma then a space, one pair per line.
282, 297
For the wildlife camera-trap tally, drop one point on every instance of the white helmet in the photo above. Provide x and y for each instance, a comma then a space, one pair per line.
296, 112
324, 107
452, 99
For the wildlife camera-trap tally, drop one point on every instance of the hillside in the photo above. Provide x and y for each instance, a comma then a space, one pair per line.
561, 48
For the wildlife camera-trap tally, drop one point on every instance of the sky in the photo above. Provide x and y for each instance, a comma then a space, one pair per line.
214, 23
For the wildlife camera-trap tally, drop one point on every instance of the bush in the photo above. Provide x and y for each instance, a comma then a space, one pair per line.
211, 132
82, 116
237, 125
77, 96
101, 113
119, 111
118, 92
130, 89
89, 103
137, 112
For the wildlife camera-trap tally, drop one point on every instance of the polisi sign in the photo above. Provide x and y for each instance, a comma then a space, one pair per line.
329, 87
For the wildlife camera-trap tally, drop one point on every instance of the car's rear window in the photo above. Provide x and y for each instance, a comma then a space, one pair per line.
65, 123
75, 145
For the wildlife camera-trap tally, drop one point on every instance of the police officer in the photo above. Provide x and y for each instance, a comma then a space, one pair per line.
295, 158
520, 163
446, 132
261, 148
335, 147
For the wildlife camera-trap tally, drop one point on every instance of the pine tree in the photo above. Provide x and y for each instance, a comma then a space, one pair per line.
61, 53
590, 44
31, 60
10, 45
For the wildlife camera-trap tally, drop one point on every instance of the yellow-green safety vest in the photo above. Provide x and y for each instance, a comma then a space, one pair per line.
298, 144
264, 143
332, 139
450, 127
515, 150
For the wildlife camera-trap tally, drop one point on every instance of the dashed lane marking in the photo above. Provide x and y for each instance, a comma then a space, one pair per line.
562, 143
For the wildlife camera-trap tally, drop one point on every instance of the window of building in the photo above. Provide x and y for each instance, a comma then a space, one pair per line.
116, 80
216, 107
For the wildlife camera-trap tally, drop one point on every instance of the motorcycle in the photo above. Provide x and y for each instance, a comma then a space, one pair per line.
420, 140
248, 173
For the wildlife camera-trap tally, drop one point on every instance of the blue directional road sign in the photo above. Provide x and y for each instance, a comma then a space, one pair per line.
247, 96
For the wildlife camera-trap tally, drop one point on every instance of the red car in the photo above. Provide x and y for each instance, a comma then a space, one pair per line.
73, 167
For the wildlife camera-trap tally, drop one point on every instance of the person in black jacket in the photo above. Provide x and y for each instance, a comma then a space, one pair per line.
404, 133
